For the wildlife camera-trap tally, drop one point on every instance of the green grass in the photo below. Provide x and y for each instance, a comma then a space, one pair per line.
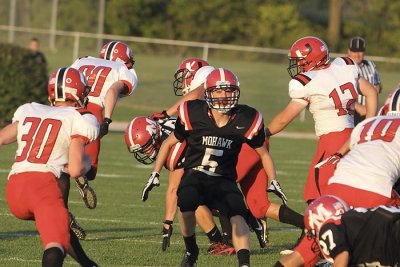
123, 231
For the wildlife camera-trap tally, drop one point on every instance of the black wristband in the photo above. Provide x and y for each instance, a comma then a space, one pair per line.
267, 132
338, 154
168, 222
164, 112
107, 120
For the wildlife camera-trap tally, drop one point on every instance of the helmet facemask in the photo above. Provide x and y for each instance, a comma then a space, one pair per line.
227, 99
147, 153
183, 78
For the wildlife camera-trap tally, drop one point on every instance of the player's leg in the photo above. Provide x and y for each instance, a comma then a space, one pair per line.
204, 218
189, 199
64, 184
237, 211
93, 149
317, 180
170, 206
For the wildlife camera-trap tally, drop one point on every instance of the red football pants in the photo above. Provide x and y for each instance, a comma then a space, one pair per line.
93, 149
37, 196
253, 181
317, 180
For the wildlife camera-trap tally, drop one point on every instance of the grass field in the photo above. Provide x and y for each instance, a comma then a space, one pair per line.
123, 231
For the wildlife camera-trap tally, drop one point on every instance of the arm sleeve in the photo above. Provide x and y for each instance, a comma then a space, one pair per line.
129, 78
85, 127
258, 139
179, 131
18, 114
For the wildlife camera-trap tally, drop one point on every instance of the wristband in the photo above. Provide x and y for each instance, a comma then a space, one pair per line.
338, 154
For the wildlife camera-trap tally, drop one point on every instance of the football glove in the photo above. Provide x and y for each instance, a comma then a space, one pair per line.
276, 188
166, 234
104, 127
160, 117
152, 182
332, 160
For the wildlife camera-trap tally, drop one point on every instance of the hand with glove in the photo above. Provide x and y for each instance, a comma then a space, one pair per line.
153, 181
166, 234
104, 127
276, 188
332, 160
160, 117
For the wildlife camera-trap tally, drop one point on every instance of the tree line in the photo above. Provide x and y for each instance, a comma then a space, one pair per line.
264, 23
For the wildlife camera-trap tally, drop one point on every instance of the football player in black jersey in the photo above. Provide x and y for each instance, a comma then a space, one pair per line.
215, 130
351, 237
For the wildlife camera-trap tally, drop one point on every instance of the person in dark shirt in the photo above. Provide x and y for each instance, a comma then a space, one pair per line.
35, 53
351, 237
215, 130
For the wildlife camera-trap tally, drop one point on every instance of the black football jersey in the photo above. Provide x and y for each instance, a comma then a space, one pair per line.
371, 236
211, 149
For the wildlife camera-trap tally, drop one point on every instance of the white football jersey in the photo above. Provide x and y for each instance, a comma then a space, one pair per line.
373, 163
102, 73
45, 133
330, 94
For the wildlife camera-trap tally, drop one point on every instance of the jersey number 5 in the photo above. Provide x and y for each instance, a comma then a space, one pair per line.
338, 101
40, 140
207, 161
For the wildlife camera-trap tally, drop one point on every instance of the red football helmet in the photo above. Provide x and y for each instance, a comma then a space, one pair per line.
322, 209
68, 84
142, 137
185, 73
307, 54
222, 80
392, 104
118, 51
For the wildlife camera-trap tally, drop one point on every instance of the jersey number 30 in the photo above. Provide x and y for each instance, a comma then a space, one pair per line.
40, 140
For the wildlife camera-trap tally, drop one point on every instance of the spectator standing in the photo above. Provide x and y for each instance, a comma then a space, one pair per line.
368, 71
34, 46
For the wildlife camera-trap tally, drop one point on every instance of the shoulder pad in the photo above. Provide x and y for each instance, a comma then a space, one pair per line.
348, 60
302, 78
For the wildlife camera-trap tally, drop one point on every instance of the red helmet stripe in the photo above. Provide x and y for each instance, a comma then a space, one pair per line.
131, 143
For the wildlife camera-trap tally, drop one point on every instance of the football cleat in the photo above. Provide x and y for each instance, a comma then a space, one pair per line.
189, 260
76, 228
87, 193
260, 228
220, 248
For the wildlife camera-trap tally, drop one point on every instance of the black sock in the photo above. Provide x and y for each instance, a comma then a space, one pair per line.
52, 257
226, 228
243, 257
190, 244
214, 235
278, 264
79, 254
289, 216
64, 184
